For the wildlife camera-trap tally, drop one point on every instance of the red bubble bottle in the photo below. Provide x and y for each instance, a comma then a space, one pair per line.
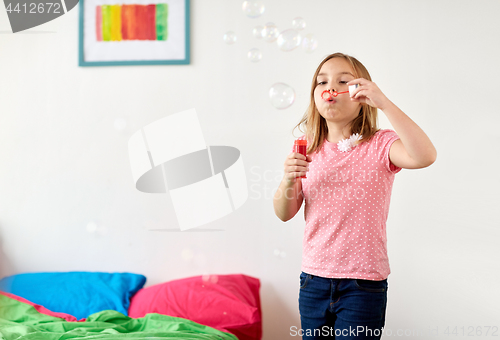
300, 146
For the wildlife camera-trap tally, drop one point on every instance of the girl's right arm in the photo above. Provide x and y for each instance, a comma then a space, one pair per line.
288, 198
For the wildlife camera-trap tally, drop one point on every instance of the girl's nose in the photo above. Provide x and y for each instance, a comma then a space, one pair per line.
333, 92
328, 94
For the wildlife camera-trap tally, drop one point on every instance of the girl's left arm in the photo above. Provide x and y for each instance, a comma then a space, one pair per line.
414, 150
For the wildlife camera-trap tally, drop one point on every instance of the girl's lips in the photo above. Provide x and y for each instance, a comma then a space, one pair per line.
326, 95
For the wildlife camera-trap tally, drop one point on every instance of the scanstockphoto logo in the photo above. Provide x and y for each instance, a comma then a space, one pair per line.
264, 182
26, 14
205, 183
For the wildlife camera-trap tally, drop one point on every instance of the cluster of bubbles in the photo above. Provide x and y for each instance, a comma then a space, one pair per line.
253, 8
281, 95
287, 40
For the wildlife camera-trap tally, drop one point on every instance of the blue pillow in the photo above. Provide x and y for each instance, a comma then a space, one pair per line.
77, 293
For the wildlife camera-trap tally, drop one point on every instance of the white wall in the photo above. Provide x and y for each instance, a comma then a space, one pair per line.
63, 165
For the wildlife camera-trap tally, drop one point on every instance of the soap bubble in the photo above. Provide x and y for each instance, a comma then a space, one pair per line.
257, 32
253, 8
255, 55
289, 40
309, 43
282, 96
298, 23
230, 37
270, 32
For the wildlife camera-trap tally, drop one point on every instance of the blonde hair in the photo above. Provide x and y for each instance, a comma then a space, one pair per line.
314, 124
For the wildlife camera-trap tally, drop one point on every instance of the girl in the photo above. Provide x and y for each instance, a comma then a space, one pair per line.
350, 167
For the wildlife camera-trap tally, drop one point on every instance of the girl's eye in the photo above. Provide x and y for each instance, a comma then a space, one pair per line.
321, 82
343, 82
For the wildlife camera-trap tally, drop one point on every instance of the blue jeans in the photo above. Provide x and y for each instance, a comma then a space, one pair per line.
341, 308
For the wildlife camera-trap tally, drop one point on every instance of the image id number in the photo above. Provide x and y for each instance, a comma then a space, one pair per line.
35, 8
472, 331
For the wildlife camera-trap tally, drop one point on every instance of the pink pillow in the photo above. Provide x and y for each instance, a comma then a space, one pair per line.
229, 303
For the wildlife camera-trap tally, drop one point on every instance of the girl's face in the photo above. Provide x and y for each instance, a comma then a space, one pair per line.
334, 75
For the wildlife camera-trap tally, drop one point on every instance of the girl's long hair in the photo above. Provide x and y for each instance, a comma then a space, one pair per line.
314, 125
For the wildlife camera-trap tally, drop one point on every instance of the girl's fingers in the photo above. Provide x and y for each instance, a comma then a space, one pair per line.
296, 156
301, 168
292, 161
360, 93
299, 156
293, 175
296, 169
297, 165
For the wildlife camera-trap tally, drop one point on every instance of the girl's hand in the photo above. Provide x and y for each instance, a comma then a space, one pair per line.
368, 93
296, 165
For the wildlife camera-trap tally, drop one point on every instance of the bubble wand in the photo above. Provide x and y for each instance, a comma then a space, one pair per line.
327, 94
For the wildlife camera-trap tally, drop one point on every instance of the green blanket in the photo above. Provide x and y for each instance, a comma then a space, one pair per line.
23, 322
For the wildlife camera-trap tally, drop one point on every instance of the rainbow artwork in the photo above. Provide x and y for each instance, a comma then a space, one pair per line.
131, 22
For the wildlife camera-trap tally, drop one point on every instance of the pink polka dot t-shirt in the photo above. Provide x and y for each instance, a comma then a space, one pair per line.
347, 197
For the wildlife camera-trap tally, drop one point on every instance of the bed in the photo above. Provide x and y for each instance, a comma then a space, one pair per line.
96, 305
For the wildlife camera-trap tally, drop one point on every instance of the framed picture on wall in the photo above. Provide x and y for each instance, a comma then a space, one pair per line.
133, 32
